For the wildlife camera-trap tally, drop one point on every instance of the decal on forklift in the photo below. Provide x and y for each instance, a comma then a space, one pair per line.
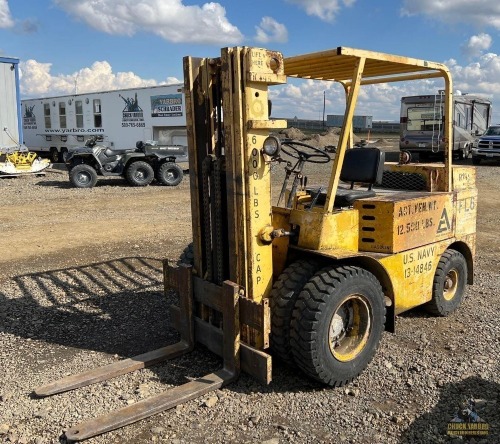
415, 225
444, 222
258, 58
464, 177
418, 262
466, 205
418, 207
258, 270
255, 175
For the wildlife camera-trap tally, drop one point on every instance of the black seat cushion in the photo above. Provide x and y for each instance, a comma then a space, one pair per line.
346, 197
110, 153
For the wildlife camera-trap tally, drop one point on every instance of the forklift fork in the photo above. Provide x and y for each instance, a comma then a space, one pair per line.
180, 278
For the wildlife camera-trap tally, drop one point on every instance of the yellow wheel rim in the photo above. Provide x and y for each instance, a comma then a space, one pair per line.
350, 328
450, 285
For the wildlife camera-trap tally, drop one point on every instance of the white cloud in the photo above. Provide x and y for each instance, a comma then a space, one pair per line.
477, 44
480, 13
481, 76
170, 19
5, 17
37, 80
270, 30
324, 9
304, 98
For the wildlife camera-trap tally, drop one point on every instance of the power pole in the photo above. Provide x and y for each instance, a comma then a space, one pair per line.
324, 107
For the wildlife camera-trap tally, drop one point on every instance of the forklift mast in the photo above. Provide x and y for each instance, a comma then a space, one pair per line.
228, 120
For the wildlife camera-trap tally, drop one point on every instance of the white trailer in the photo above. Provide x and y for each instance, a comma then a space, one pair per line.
10, 105
422, 118
56, 125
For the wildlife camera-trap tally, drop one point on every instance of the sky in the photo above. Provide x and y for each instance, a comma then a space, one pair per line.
100, 45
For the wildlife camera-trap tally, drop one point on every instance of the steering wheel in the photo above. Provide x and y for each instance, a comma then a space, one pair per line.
316, 156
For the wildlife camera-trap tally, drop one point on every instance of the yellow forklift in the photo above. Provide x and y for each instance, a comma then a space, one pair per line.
317, 278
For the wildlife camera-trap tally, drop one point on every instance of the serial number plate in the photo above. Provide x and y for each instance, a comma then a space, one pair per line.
421, 145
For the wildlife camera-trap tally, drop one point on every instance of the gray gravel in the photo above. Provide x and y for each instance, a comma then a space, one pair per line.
56, 321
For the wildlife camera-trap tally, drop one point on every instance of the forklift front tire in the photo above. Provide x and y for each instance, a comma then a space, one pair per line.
449, 284
283, 297
337, 324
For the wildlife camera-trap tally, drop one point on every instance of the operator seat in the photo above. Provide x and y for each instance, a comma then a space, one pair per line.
362, 165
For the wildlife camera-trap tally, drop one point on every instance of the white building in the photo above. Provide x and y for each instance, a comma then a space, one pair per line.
55, 125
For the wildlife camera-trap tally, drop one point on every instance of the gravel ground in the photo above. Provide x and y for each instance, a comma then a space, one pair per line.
77, 291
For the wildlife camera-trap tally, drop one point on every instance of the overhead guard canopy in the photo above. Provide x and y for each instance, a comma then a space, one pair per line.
354, 67
339, 64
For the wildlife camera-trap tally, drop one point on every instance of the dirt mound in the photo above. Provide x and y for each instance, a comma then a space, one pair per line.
293, 133
321, 140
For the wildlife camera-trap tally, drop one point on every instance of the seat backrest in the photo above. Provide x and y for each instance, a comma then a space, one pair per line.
365, 165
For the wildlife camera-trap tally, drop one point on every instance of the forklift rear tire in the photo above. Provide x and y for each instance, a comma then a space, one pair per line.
283, 297
83, 176
139, 174
337, 324
169, 174
449, 284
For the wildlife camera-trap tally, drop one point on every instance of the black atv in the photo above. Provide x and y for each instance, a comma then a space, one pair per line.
139, 166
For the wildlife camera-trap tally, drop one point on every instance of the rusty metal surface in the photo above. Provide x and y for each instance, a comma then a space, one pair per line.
255, 363
112, 370
231, 322
178, 395
156, 404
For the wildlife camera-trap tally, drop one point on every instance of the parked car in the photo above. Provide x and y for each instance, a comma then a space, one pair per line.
487, 146
140, 166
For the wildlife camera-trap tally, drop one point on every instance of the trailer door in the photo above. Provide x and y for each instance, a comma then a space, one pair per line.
9, 122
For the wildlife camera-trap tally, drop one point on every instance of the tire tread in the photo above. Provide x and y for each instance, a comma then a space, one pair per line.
310, 305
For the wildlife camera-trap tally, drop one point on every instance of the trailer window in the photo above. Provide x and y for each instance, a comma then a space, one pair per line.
62, 114
424, 118
79, 113
97, 113
468, 117
460, 118
46, 113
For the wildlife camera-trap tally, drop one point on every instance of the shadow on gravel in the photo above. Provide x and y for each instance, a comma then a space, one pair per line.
114, 182
116, 307
454, 406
